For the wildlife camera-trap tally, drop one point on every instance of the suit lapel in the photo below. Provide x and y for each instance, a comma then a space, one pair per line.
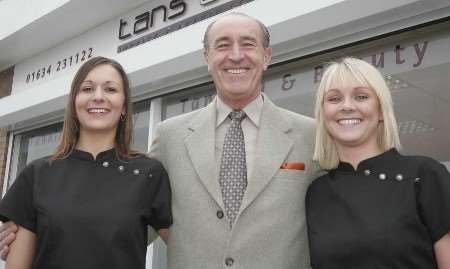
200, 144
273, 146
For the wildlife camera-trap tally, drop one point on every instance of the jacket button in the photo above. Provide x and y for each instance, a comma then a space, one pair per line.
399, 177
219, 214
105, 164
229, 261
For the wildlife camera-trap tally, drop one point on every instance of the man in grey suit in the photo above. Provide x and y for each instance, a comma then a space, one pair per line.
268, 229
214, 227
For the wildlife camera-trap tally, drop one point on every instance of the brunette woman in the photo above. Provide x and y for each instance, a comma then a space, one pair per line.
89, 205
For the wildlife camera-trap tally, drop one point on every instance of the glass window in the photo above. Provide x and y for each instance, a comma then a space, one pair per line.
141, 119
187, 101
31, 145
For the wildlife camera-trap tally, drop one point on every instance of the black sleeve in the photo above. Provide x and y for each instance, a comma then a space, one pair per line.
434, 198
17, 204
160, 201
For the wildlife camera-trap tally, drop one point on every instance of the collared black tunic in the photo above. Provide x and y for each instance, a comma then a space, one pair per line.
90, 213
387, 213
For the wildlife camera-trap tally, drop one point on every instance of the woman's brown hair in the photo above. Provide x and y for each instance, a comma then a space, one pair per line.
71, 128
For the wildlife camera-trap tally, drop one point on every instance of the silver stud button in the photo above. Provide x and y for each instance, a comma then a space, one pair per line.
150, 175
105, 164
399, 177
121, 168
367, 172
417, 180
382, 176
136, 172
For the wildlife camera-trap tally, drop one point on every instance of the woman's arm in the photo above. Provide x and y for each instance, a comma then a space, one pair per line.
21, 251
442, 252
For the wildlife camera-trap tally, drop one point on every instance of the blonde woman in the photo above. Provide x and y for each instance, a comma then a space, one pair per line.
375, 208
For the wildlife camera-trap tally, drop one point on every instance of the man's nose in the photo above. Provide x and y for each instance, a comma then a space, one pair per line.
236, 53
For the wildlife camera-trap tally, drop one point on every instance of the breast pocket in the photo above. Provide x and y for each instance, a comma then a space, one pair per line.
290, 174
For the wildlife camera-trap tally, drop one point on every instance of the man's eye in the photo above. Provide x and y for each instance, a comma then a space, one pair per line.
221, 46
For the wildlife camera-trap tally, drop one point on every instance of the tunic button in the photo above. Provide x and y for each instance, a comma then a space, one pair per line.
399, 177
382, 176
136, 172
105, 164
367, 172
417, 180
150, 175
121, 168
229, 261
219, 214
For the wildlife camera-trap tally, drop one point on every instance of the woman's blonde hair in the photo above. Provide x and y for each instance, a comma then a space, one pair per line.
349, 68
71, 128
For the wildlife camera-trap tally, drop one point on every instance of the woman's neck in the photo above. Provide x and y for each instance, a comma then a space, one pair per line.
354, 155
95, 143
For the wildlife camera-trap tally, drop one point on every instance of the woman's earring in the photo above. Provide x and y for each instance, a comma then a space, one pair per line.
122, 117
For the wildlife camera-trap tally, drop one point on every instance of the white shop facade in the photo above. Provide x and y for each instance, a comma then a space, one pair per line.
159, 45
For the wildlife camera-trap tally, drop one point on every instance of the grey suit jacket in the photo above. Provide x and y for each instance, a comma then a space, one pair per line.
270, 230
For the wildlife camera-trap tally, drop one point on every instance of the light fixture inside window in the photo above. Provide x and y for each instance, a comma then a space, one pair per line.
395, 83
414, 127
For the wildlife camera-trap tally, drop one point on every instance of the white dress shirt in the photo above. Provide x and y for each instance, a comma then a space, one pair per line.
250, 128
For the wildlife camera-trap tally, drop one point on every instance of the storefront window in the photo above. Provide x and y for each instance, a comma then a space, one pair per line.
187, 101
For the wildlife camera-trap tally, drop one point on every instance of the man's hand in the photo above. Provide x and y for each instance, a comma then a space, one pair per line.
7, 236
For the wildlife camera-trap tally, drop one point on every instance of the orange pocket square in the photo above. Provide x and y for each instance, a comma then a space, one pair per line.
294, 166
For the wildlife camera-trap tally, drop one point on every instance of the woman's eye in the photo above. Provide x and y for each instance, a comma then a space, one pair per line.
110, 89
86, 89
361, 97
333, 99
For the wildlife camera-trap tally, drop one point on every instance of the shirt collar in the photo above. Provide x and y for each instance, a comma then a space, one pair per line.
107, 155
376, 161
252, 110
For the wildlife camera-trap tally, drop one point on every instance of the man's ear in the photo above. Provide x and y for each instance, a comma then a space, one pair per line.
267, 57
206, 58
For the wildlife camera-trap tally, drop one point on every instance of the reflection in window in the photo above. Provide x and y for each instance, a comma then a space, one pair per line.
187, 101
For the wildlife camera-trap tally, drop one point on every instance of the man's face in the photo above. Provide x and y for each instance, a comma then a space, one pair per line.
236, 59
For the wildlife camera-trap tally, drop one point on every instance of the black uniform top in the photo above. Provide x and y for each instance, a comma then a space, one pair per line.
90, 213
385, 214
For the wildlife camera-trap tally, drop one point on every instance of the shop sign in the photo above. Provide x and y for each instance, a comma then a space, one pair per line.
161, 18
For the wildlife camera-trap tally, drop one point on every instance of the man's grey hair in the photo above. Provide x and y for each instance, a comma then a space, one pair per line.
264, 30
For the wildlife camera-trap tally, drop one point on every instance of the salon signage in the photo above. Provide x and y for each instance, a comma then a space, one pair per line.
160, 18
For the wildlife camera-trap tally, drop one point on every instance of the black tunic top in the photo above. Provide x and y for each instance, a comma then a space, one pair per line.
387, 213
90, 213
